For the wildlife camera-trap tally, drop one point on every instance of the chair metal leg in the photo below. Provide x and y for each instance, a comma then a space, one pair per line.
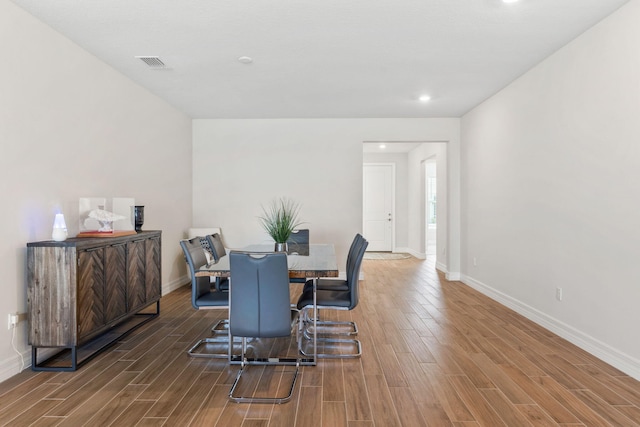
221, 327
236, 359
330, 327
357, 352
194, 353
244, 364
306, 333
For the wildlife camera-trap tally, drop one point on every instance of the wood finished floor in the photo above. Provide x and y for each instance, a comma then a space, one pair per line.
435, 353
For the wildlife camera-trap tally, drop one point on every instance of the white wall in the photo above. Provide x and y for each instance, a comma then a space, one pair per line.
240, 164
551, 194
72, 127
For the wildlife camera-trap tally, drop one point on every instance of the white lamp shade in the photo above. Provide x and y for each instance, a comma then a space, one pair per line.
59, 228
59, 221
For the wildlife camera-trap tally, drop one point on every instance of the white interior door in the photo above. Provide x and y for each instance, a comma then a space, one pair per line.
377, 206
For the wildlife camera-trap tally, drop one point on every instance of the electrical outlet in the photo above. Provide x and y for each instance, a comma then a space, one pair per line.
559, 294
13, 320
475, 262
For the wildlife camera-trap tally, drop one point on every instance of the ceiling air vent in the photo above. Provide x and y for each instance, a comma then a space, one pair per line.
153, 62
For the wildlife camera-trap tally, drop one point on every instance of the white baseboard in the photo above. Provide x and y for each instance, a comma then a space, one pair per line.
175, 284
441, 267
453, 276
416, 254
11, 365
603, 351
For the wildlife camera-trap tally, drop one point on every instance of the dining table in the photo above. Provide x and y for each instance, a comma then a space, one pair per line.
312, 261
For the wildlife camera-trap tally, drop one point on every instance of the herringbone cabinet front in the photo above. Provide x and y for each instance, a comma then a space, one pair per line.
79, 289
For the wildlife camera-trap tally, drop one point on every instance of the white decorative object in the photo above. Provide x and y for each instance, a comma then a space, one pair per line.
86, 205
105, 218
59, 233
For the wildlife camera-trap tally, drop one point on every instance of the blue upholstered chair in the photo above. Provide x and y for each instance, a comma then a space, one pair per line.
204, 297
217, 250
260, 308
329, 284
334, 300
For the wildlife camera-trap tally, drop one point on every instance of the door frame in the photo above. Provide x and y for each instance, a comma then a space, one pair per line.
425, 184
393, 198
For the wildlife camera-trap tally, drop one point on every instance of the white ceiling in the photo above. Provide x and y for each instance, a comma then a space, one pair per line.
322, 58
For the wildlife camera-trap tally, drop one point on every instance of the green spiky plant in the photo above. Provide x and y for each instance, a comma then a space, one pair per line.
280, 218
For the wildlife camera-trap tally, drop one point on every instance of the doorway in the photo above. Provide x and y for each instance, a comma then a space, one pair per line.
378, 198
410, 214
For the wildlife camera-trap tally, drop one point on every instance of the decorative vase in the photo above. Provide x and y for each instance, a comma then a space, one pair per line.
138, 217
281, 247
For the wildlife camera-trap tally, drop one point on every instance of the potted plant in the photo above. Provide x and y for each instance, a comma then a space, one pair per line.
279, 219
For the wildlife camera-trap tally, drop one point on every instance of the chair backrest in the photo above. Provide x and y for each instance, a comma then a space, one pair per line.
298, 242
260, 304
353, 272
217, 251
353, 249
196, 232
195, 256
216, 246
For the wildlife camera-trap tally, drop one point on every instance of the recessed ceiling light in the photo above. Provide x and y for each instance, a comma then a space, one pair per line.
509, 1
245, 59
424, 98
382, 146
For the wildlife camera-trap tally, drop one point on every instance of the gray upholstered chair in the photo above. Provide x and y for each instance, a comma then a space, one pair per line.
216, 247
334, 300
326, 284
221, 284
217, 250
339, 284
204, 297
260, 308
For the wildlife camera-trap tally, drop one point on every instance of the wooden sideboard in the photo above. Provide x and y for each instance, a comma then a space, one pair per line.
83, 294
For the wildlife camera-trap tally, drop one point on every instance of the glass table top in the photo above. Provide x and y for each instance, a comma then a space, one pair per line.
320, 262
